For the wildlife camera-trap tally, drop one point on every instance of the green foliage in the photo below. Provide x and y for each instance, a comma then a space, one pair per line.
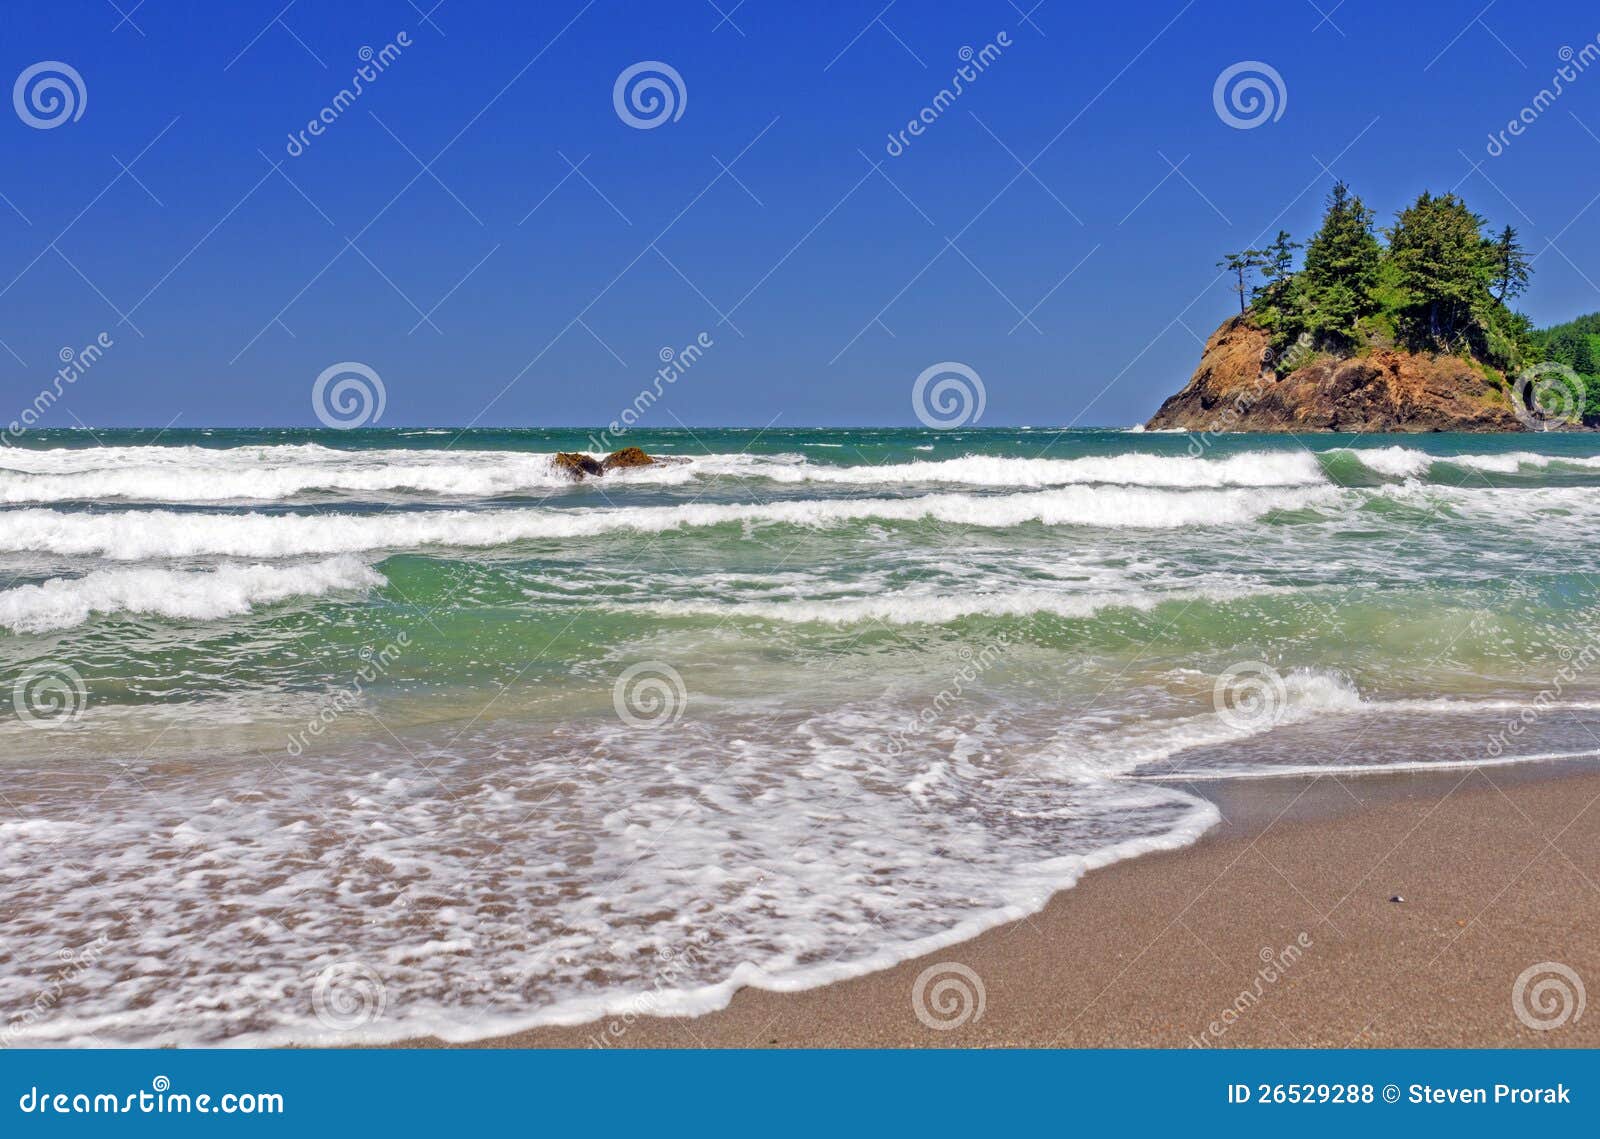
1445, 271
1273, 305
1441, 285
1576, 345
1337, 286
1242, 265
1512, 266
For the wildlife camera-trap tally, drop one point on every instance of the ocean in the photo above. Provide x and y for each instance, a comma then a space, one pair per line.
319, 737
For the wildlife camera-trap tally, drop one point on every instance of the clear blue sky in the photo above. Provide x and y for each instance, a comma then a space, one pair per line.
837, 282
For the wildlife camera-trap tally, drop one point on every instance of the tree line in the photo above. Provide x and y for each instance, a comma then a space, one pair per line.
1438, 282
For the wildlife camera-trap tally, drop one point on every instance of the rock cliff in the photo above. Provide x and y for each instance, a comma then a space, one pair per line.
1236, 388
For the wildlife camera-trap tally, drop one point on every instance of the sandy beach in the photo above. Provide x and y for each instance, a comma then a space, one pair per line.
1498, 869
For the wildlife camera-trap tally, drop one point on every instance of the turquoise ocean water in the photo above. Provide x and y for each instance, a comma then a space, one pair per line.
327, 737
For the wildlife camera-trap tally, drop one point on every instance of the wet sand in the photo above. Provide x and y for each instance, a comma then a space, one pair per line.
1276, 930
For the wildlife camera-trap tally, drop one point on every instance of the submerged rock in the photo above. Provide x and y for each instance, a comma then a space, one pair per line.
580, 466
577, 464
627, 457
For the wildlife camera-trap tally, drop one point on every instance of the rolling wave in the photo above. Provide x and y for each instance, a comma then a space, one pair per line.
929, 608
225, 591
273, 473
140, 535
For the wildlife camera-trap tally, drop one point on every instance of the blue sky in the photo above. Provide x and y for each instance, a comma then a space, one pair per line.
1036, 231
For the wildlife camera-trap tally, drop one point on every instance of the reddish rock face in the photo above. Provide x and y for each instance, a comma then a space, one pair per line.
1233, 390
577, 465
627, 457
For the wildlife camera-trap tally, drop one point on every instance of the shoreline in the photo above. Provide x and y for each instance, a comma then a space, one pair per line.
1274, 929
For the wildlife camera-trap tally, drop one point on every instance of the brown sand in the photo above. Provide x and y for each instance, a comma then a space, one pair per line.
1499, 869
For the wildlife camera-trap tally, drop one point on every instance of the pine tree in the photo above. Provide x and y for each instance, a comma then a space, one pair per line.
1242, 264
1277, 266
1337, 286
1574, 349
1444, 268
1512, 266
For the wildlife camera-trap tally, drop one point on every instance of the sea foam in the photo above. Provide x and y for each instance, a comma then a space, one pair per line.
224, 591
139, 535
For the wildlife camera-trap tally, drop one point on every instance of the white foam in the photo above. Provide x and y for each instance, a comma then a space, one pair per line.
1251, 469
264, 474
1396, 462
205, 595
274, 473
140, 535
1305, 694
918, 607
1409, 463
1309, 695
779, 849
1399, 767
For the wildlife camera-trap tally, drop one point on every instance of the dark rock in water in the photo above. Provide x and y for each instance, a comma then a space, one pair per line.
577, 465
627, 457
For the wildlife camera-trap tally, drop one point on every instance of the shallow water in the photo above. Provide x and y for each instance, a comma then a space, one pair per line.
325, 737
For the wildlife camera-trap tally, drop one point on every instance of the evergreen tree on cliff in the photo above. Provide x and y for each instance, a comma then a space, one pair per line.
1242, 265
1445, 271
1512, 266
1337, 287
